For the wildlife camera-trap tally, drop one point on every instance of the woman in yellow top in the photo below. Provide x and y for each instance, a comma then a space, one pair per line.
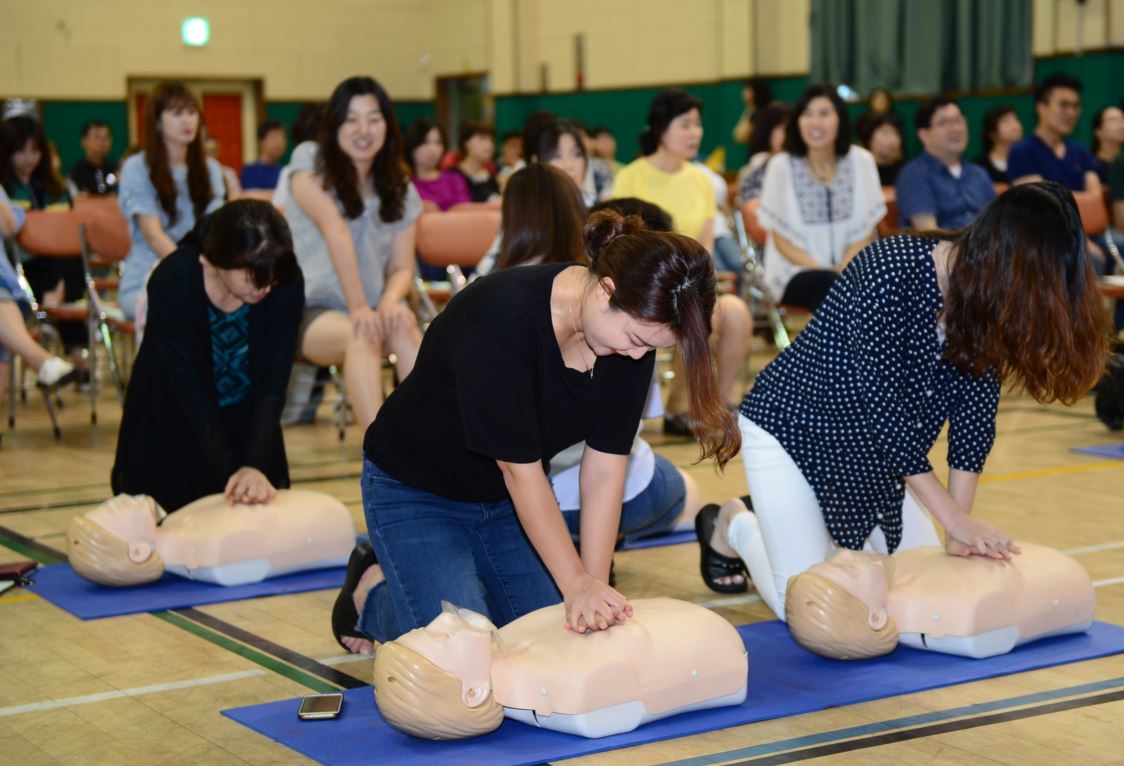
665, 177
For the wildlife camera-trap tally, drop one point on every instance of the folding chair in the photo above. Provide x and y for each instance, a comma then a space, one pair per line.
105, 243
751, 238
455, 239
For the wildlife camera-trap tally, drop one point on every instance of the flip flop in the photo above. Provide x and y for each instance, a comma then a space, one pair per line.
344, 615
713, 564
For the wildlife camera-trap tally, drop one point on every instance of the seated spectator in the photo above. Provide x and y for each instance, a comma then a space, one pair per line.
96, 172
202, 413
665, 176
543, 216
166, 188
604, 148
727, 253
478, 144
425, 146
352, 212
306, 127
272, 143
14, 338
883, 138
213, 150
756, 95
1001, 131
1050, 155
879, 103
937, 189
821, 201
562, 144
1116, 191
511, 155
1108, 135
768, 139
31, 183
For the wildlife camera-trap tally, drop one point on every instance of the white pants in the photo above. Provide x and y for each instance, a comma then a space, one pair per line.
786, 534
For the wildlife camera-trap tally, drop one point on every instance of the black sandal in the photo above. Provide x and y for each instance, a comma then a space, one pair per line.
344, 615
713, 564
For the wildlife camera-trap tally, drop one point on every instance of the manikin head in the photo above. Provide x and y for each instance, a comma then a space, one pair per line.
115, 544
839, 609
435, 682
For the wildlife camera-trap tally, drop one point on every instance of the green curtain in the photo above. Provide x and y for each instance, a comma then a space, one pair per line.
921, 46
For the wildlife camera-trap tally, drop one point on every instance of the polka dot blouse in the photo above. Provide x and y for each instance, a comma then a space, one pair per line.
861, 396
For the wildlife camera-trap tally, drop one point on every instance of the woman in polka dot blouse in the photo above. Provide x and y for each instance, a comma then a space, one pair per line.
918, 330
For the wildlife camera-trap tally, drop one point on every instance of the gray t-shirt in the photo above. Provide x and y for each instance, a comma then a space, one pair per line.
373, 239
137, 196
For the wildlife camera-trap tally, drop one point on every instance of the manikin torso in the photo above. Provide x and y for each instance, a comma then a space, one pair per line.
670, 657
211, 541
976, 606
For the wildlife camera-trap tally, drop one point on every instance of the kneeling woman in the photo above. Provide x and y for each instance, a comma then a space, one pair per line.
520, 365
203, 409
918, 330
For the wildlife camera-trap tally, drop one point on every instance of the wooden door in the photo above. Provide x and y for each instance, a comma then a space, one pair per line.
222, 114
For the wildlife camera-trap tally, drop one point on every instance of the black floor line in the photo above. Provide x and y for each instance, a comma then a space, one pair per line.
296, 659
46, 553
890, 738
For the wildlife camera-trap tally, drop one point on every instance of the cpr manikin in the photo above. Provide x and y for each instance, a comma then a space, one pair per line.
130, 540
861, 604
459, 676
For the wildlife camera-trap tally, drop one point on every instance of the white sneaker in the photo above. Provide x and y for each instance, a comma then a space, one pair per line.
56, 372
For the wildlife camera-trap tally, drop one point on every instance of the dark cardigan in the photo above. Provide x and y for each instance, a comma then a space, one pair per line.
176, 444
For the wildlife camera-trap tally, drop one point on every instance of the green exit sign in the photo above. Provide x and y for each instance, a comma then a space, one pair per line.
195, 31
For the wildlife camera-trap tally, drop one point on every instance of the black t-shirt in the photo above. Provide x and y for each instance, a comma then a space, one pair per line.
490, 384
91, 178
480, 191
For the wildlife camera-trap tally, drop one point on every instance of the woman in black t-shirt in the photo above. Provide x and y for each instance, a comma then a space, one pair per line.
520, 365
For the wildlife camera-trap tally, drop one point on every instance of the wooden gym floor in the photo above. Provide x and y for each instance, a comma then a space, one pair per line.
148, 688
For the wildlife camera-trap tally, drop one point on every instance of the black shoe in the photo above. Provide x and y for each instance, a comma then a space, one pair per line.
713, 564
677, 425
344, 615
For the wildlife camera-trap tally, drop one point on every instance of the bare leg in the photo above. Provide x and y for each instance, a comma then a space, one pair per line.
15, 338
733, 325
404, 343
677, 392
692, 504
330, 340
372, 577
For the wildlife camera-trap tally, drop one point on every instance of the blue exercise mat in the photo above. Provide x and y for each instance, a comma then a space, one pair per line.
784, 680
1115, 451
62, 586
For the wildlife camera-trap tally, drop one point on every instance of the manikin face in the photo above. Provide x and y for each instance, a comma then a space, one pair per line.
1060, 112
427, 156
608, 331
96, 144
886, 144
1008, 130
179, 124
864, 576
273, 146
480, 147
1112, 127
569, 159
133, 519
25, 160
460, 643
363, 131
819, 124
946, 138
683, 136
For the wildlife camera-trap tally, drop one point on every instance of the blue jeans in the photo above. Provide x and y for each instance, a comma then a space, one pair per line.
432, 549
653, 511
728, 257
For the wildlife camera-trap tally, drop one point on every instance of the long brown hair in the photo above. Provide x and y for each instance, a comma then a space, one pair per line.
668, 279
172, 94
1022, 297
543, 216
15, 132
338, 171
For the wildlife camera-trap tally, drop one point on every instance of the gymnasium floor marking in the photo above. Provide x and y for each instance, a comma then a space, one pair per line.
899, 729
1041, 472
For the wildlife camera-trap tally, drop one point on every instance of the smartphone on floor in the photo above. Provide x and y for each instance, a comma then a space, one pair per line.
319, 706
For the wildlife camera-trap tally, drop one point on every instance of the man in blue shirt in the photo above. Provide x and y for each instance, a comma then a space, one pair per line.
1049, 155
936, 189
264, 173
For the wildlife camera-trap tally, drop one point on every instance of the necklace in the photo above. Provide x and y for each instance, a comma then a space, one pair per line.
574, 327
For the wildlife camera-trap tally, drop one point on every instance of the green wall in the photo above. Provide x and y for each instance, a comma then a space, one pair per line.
624, 110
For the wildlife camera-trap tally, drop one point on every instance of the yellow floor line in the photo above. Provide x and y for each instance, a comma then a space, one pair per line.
1051, 471
17, 597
